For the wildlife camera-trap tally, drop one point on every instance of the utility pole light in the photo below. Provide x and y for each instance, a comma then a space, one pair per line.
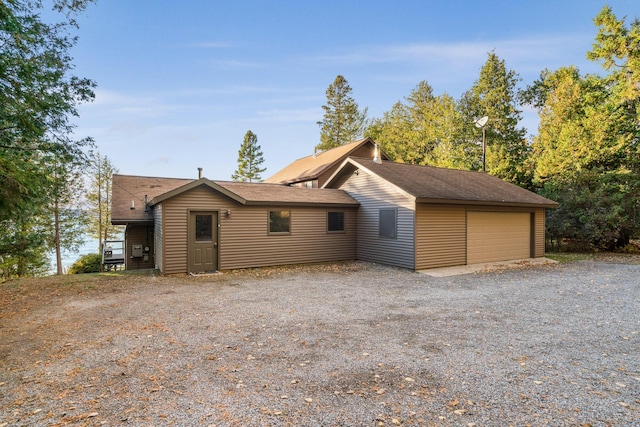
482, 123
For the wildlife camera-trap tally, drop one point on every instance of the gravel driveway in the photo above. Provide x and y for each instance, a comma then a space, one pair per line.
333, 345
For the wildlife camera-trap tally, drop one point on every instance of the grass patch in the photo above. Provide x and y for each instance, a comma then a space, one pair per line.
567, 257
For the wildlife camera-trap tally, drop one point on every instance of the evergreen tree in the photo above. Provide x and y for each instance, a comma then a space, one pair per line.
23, 244
586, 154
424, 130
494, 95
343, 122
250, 158
38, 96
67, 214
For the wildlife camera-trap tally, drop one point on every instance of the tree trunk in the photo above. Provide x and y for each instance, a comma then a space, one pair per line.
56, 237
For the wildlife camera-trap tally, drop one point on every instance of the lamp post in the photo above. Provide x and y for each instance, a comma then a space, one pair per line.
482, 123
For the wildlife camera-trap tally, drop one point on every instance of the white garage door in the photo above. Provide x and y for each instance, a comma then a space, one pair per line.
498, 236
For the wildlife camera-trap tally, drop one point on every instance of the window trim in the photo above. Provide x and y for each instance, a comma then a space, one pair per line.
269, 222
343, 230
395, 223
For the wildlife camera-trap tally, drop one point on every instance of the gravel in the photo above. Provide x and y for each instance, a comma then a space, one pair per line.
351, 344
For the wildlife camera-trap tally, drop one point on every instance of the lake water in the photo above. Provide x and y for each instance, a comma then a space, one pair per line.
68, 258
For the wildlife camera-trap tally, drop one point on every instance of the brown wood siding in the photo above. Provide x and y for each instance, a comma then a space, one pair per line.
539, 233
374, 194
157, 235
139, 235
440, 236
243, 236
498, 236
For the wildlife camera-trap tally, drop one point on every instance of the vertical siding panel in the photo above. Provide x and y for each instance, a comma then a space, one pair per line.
139, 235
373, 194
157, 235
243, 237
441, 236
539, 232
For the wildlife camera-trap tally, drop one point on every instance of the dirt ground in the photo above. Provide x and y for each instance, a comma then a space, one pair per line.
336, 344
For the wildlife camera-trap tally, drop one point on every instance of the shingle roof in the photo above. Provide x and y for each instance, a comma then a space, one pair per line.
311, 167
259, 193
127, 188
440, 185
265, 193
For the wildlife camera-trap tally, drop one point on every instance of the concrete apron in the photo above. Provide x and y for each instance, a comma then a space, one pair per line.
487, 267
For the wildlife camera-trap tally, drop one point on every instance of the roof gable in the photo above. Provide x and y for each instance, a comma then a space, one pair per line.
128, 194
252, 194
311, 167
429, 184
149, 191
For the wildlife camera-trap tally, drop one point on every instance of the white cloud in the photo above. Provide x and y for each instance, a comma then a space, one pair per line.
291, 115
141, 106
527, 50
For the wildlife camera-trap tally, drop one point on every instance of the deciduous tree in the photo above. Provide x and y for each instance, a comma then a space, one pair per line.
586, 153
99, 197
424, 130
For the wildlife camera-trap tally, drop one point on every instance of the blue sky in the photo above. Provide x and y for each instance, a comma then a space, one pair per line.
180, 83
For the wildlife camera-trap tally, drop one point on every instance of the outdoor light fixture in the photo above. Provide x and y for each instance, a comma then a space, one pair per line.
228, 213
482, 123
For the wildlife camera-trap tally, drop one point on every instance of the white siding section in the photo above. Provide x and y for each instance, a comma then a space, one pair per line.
374, 194
157, 235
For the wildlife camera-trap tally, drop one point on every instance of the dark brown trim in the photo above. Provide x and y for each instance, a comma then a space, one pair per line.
483, 203
532, 238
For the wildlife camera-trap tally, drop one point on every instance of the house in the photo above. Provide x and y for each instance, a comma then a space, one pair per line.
422, 217
190, 226
335, 206
314, 170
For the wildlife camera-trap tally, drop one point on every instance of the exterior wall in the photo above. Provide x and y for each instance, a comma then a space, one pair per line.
366, 150
243, 238
441, 233
139, 235
539, 232
157, 236
306, 184
373, 194
441, 236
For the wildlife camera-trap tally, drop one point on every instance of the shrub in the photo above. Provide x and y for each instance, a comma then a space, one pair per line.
89, 263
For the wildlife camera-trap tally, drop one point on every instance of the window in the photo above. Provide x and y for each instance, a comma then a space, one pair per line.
279, 222
387, 223
204, 228
335, 222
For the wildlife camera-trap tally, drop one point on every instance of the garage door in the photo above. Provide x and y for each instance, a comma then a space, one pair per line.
498, 236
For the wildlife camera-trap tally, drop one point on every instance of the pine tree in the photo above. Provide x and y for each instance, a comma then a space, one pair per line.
423, 130
494, 95
39, 96
250, 158
343, 121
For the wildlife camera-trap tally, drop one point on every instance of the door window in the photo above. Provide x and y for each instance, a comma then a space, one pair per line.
204, 228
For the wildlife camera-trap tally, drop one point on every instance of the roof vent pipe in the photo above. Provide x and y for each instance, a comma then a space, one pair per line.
199, 173
376, 155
